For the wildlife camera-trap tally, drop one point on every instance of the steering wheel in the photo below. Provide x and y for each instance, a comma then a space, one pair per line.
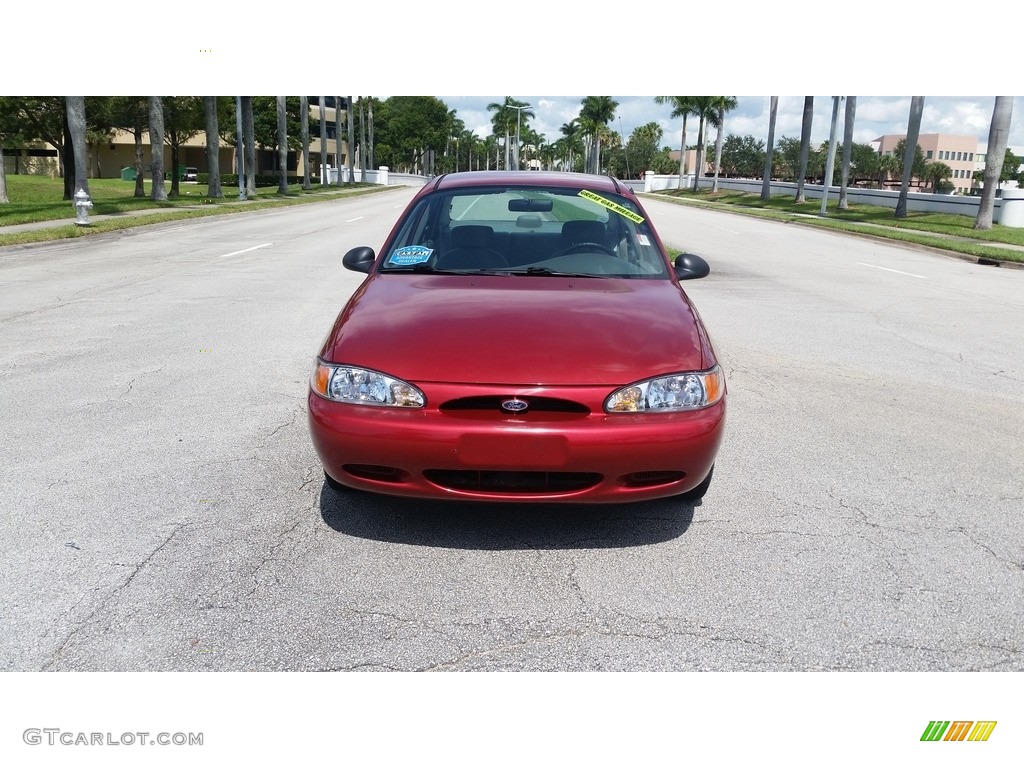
588, 246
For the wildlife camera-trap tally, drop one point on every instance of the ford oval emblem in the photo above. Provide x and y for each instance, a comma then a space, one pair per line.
515, 405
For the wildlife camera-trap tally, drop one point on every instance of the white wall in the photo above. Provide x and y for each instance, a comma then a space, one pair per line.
916, 201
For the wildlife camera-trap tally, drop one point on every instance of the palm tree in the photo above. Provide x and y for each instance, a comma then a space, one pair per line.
937, 173
156, 146
282, 146
467, 140
597, 112
887, 166
75, 106
849, 117
502, 122
350, 121
362, 141
490, 144
369, 140
249, 139
304, 137
571, 141
531, 143
682, 106
212, 146
456, 127
909, 152
998, 134
766, 181
830, 159
725, 104
131, 114
547, 156
240, 148
805, 147
706, 110
337, 137
183, 119
322, 108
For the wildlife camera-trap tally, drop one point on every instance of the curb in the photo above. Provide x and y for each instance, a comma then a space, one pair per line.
142, 215
981, 260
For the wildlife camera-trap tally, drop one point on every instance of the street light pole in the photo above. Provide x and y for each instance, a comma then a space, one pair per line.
519, 119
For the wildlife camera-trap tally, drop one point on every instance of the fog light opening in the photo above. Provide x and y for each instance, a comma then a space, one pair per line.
651, 477
377, 472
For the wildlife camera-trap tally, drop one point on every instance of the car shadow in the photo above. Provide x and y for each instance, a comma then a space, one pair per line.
480, 526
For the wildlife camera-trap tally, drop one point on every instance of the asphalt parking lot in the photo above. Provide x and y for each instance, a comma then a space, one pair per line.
164, 509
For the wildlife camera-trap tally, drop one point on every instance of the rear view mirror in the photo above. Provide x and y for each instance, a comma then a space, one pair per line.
523, 204
690, 266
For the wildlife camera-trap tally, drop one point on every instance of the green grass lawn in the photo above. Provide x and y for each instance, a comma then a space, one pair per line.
937, 230
40, 198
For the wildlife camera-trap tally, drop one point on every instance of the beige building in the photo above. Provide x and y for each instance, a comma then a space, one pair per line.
1018, 152
956, 151
116, 157
691, 158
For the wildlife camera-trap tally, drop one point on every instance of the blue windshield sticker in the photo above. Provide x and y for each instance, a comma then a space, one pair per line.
409, 255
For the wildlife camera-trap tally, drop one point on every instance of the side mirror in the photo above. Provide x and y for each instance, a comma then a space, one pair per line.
689, 266
359, 259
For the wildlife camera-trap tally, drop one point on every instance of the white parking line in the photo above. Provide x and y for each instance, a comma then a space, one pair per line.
245, 250
357, 218
898, 272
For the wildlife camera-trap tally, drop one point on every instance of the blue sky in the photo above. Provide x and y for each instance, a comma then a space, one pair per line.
875, 116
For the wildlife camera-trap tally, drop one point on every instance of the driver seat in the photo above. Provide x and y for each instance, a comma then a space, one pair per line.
583, 231
472, 249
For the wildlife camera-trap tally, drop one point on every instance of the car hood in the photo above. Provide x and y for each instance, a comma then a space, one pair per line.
518, 330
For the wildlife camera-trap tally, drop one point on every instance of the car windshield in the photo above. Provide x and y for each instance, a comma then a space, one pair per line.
524, 230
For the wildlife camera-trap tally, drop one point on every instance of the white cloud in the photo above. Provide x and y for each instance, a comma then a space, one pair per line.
875, 116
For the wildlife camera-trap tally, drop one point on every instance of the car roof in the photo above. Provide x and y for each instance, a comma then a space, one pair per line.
530, 178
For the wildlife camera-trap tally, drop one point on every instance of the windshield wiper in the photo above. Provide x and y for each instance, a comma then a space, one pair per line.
547, 272
427, 269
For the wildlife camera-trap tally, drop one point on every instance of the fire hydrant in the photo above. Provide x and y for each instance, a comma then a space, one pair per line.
82, 206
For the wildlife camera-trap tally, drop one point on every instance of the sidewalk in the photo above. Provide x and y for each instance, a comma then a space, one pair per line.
141, 214
959, 239
710, 204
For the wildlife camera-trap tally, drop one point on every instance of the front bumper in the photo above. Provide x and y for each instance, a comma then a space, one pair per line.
488, 455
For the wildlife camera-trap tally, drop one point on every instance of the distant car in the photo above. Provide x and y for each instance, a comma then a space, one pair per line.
520, 337
191, 174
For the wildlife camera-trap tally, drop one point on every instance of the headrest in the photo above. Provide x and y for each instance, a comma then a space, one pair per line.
472, 236
583, 231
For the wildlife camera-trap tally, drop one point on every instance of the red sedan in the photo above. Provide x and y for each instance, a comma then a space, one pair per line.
520, 337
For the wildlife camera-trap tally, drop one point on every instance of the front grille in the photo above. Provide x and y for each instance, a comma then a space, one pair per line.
536, 404
493, 481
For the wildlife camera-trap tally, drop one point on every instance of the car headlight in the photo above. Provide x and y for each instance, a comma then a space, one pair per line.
348, 384
665, 394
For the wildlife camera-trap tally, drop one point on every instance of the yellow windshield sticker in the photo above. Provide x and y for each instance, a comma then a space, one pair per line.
619, 209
